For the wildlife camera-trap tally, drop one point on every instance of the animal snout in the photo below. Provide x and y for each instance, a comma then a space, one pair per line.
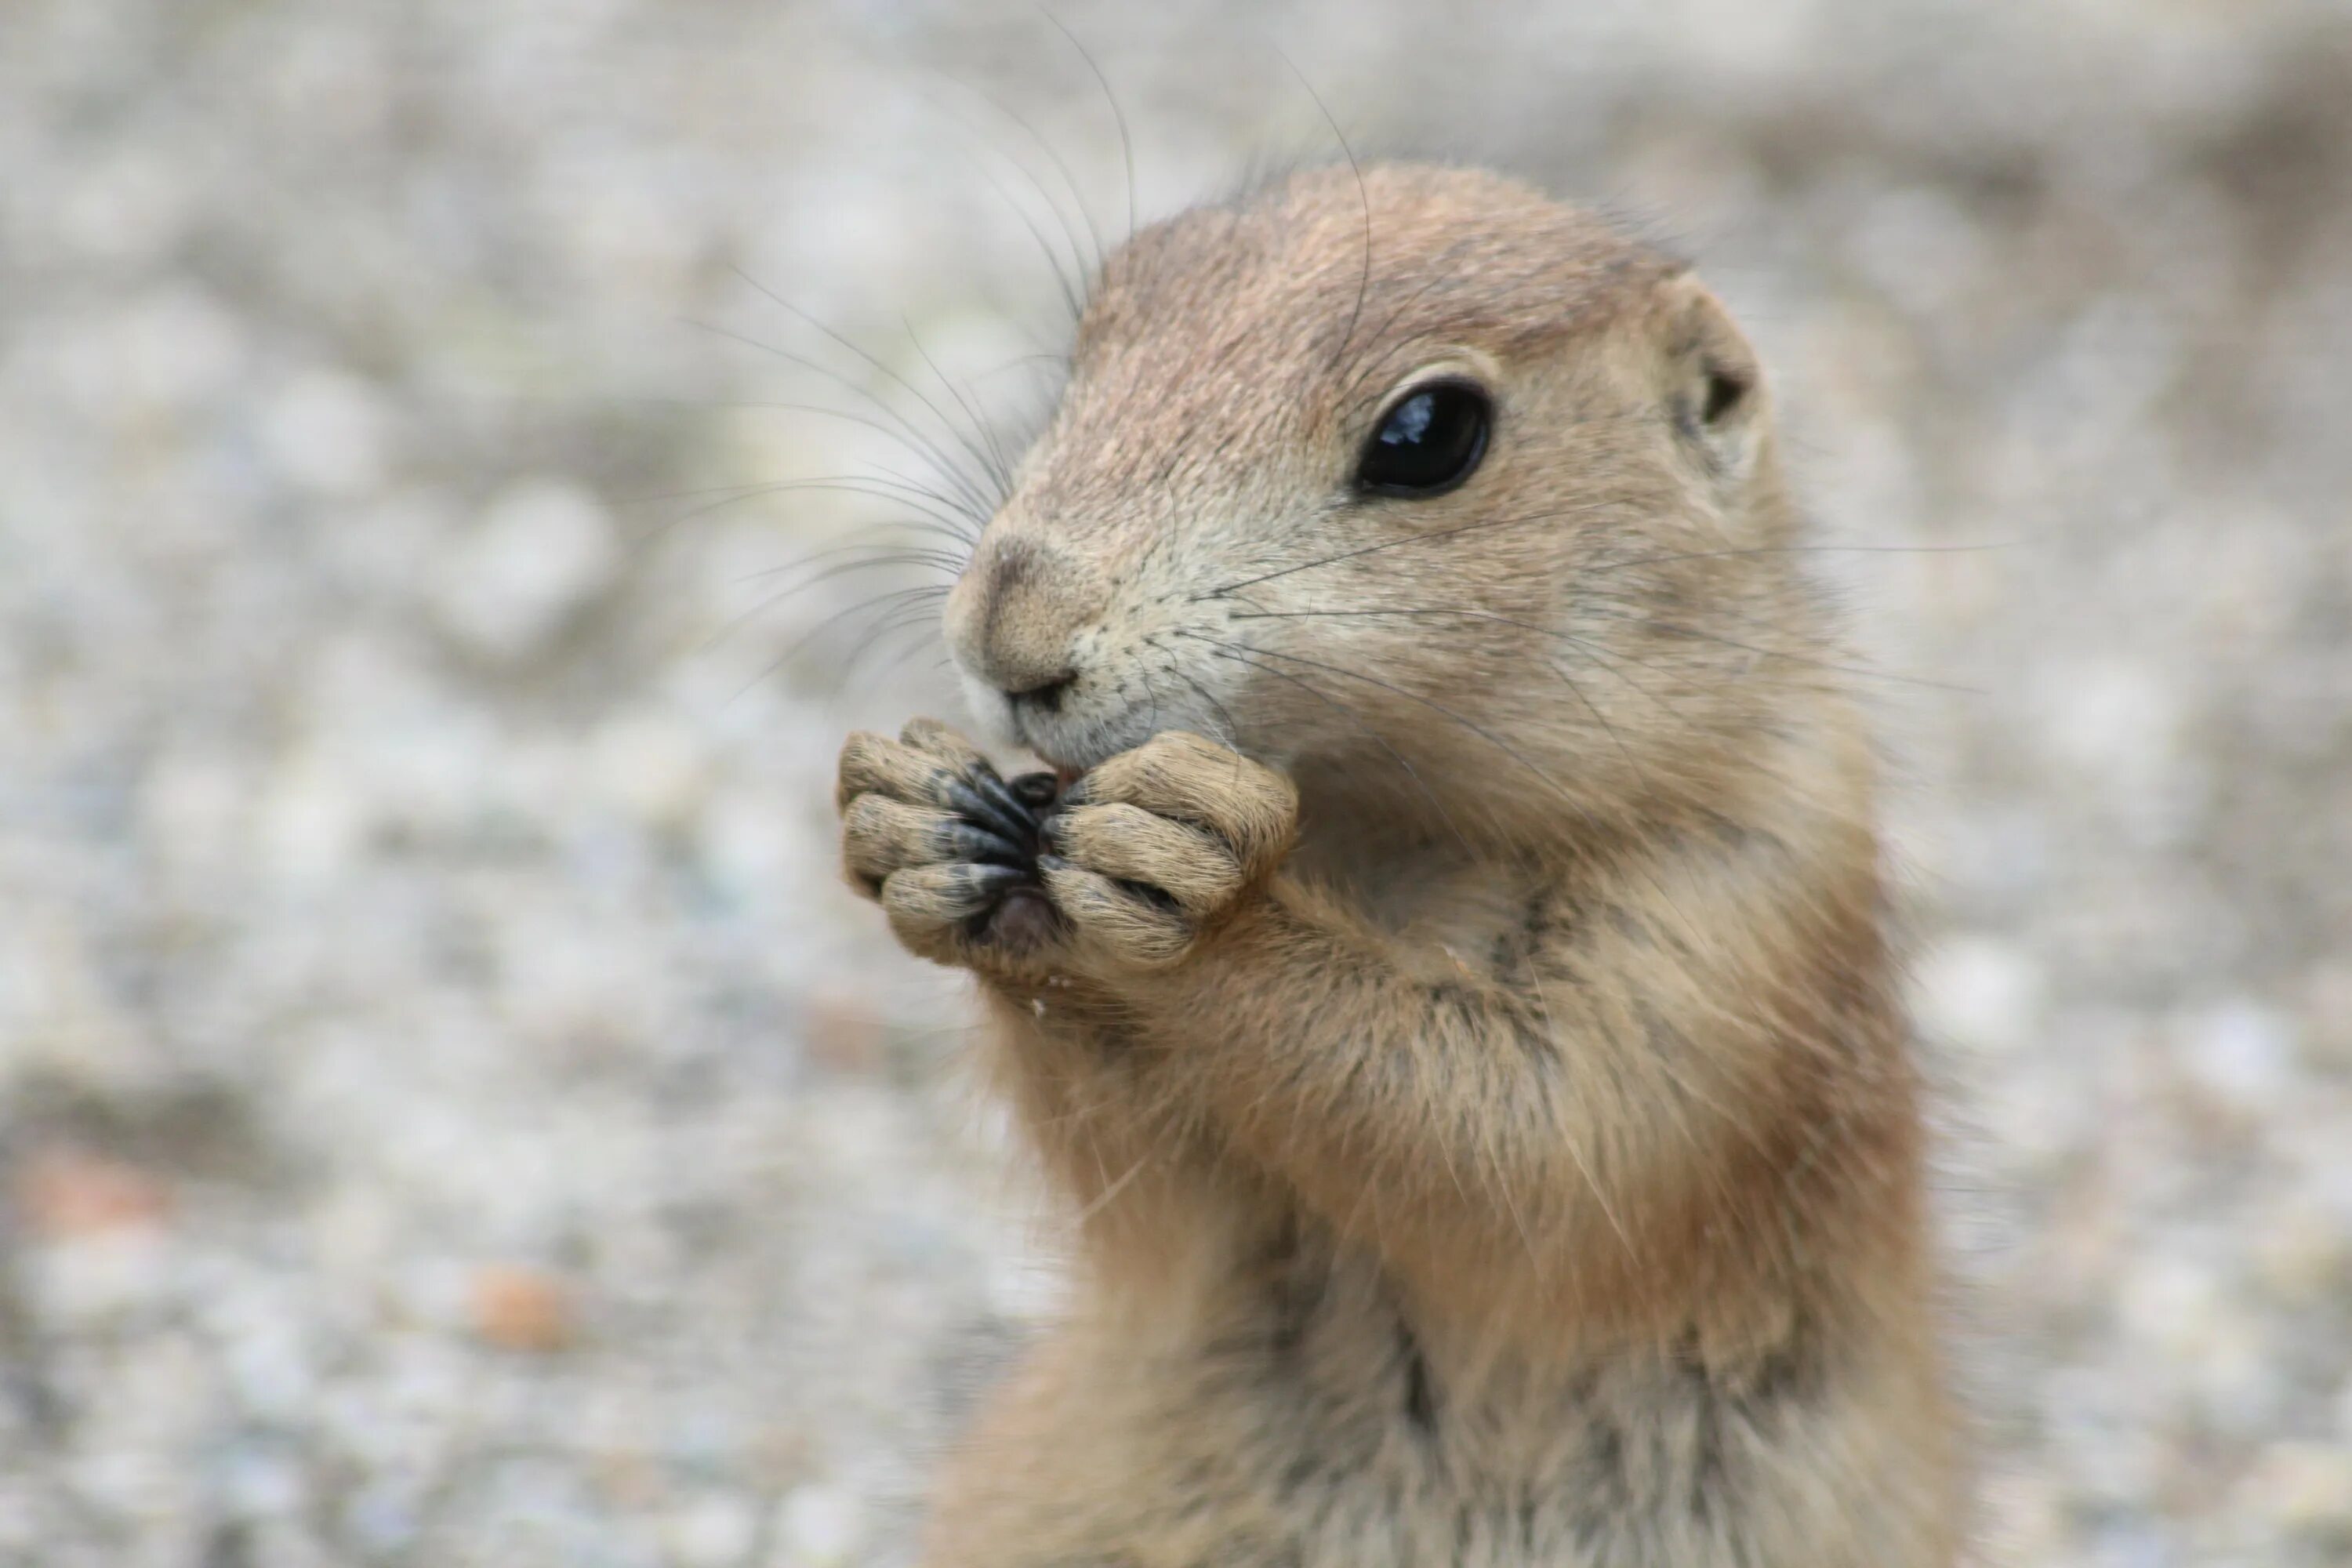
1016, 615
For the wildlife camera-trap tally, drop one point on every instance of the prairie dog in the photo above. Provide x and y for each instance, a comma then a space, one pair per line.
1450, 980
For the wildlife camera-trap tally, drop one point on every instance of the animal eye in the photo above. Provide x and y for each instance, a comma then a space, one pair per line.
1429, 441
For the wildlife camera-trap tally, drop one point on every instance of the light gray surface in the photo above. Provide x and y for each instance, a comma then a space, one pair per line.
420, 944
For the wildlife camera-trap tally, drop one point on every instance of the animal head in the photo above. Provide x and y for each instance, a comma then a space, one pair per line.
1415, 482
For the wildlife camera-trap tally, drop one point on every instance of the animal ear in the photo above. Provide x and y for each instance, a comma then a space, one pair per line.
1714, 383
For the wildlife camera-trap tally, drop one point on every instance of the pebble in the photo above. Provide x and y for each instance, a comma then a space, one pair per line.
713, 1531
327, 433
63, 1193
536, 555
819, 1526
517, 1308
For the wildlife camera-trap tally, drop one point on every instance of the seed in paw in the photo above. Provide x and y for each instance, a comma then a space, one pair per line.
1036, 791
999, 834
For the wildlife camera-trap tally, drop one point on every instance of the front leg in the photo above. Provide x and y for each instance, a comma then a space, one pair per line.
948, 850
1152, 849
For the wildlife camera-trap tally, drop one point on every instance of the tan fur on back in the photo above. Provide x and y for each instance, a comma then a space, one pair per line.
1496, 1139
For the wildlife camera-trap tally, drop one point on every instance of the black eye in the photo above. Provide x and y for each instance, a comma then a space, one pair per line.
1429, 441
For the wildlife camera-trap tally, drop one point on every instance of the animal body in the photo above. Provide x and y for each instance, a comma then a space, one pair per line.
1448, 969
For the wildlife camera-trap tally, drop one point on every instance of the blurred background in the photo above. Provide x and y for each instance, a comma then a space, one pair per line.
448, 1113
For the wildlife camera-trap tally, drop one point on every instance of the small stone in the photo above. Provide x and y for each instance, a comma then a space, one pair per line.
65, 1192
652, 766
842, 1033
713, 1531
2307, 1487
518, 1308
2303, 1254
818, 1525
326, 432
2242, 1054
1980, 992
536, 556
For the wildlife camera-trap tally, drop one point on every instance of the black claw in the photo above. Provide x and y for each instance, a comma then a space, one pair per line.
963, 841
1035, 791
997, 793
967, 802
994, 879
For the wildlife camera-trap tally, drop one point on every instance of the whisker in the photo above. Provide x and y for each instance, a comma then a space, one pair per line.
917, 614
1421, 537
1364, 199
1126, 143
1592, 650
1233, 730
1073, 290
1480, 731
781, 595
1061, 166
909, 556
897, 597
1363, 369
924, 446
968, 504
1003, 465
962, 437
1623, 562
1860, 672
942, 524
1238, 653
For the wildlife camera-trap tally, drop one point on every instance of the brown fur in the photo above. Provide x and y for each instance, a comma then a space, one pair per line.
1495, 1140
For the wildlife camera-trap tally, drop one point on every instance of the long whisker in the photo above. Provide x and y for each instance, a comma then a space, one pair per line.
962, 436
1624, 562
1423, 538
1363, 198
940, 523
1238, 653
1490, 738
930, 621
924, 445
1233, 730
1073, 290
1364, 369
1592, 650
1003, 466
1061, 166
969, 503
912, 556
1118, 117
916, 613
794, 651
771, 601
1860, 672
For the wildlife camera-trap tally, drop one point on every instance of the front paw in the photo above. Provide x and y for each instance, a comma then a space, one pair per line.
946, 847
1150, 850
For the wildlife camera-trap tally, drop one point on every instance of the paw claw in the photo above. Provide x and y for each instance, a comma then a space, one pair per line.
958, 840
965, 798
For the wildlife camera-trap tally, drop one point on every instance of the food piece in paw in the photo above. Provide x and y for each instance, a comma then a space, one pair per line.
1021, 918
1000, 829
1038, 791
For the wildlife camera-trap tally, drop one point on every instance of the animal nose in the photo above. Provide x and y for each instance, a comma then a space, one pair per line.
1016, 616
1047, 695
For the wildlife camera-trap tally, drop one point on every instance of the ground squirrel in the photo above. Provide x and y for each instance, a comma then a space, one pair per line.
1448, 969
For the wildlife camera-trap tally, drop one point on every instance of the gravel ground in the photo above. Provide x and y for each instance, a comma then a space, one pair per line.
448, 1113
